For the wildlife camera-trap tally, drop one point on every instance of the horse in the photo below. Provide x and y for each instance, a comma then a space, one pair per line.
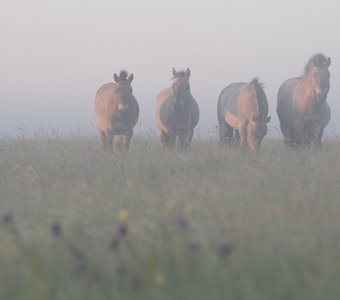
116, 112
242, 113
177, 112
301, 104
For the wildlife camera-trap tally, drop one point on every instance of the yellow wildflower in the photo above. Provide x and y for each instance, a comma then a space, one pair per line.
188, 209
159, 279
123, 215
169, 205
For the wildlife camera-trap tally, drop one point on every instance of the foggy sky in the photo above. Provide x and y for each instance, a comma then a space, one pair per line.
54, 55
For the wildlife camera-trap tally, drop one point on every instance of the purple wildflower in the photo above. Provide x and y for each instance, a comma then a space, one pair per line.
224, 250
135, 283
7, 218
122, 230
56, 229
121, 269
194, 247
182, 223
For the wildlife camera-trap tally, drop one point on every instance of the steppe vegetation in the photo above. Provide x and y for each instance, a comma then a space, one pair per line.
210, 223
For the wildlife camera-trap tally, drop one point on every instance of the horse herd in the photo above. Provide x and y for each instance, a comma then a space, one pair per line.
242, 110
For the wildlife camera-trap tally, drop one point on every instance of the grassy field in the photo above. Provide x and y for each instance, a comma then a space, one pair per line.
212, 223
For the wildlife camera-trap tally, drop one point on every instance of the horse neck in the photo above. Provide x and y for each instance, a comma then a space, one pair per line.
304, 95
258, 93
252, 96
187, 107
306, 86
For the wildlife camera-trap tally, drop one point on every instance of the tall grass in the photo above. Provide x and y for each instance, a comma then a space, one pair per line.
212, 223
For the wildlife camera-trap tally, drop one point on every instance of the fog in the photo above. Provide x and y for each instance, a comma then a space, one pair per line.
54, 55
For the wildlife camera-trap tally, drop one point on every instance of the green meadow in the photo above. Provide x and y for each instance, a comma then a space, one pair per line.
211, 223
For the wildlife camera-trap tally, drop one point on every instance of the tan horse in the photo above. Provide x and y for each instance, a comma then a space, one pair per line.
177, 112
116, 112
301, 104
243, 108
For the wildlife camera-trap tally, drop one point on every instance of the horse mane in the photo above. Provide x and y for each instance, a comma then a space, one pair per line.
260, 95
257, 83
318, 60
123, 75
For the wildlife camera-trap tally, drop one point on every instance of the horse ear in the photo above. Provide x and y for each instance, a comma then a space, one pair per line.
116, 77
130, 78
188, 73
268, 119
174, 73
328, 62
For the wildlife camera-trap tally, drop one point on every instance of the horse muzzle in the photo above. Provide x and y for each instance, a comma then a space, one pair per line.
123, 110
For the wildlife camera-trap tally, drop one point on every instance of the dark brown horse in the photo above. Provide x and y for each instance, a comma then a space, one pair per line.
242, 108
116, 111
177, 112
301, 104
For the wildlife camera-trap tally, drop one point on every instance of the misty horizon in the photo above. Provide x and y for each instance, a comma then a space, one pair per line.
55, 56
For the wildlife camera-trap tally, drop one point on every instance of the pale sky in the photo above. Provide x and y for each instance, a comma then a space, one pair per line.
54, 55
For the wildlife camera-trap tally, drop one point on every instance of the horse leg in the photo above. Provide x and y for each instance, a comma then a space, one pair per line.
109, 139
236, 139
189, 137
316, 137
103, 139
184, 140
222, 133
288, 139
119, 142
225, 133
126, 141
319, 137
243, 135
172, 140
309, 136
299, 138
288, 135
165, 140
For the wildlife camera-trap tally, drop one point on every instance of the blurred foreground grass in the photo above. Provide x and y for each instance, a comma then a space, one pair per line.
213, 223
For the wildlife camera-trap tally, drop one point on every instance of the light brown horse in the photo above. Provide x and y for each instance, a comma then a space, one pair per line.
116, 112
242, 107
177, 112
301, 104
